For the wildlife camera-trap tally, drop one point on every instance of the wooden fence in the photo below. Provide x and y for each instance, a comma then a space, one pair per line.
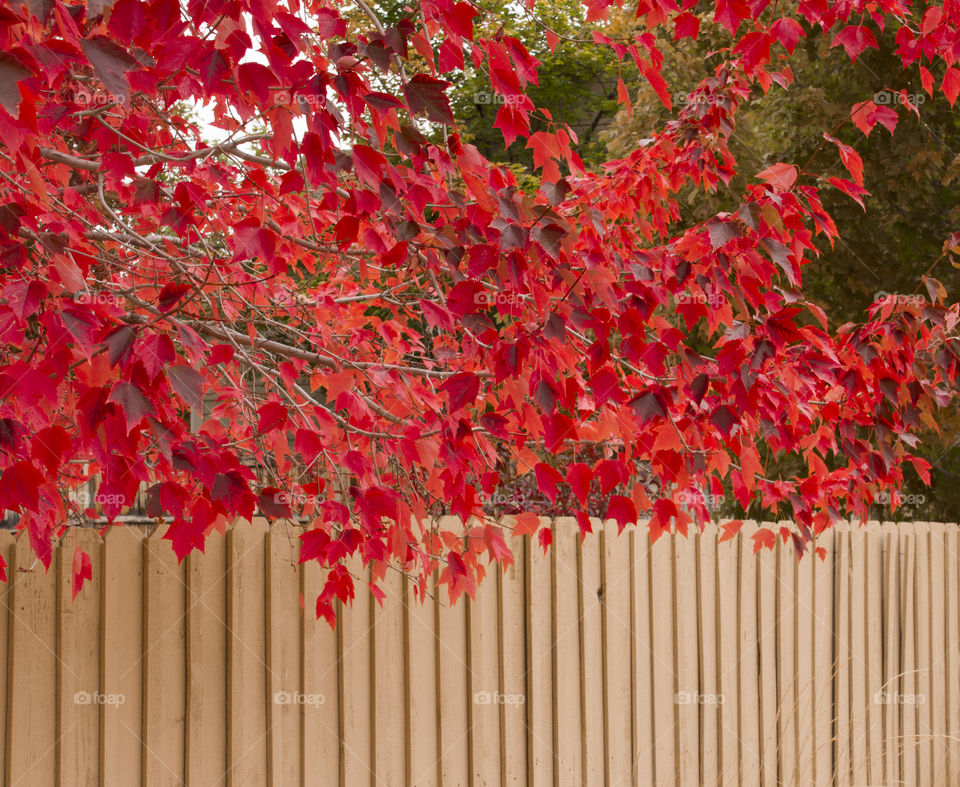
613, 662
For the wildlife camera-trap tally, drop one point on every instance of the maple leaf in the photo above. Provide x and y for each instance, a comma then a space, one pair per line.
82, 570
854, 39
428, 95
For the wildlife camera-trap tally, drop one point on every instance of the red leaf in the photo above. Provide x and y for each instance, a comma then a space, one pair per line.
273, 415
462, 389
547, 479
951, 84
426, 94
764, 538
134, 404
622, 511
730, 529
82, 569
855, 39
780, 176
579, 476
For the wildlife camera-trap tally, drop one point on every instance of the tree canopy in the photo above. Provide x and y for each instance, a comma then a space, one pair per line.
262, 256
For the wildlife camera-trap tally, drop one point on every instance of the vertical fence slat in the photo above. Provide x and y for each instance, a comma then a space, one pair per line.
81, 700
952, 655
164, 663
749, 665
513, 611
922, 607
420, 684
355, 626
856, 658
908, 664
455, 695
872, 664
644, 667
938, 652
823, 643
787, 672
320, 677
539, 663
206, 735
806, 621
246, 651
286, 701
686, 647
841, 663
765, 603
591, 649
485, 686
617, 635
726, 555
567, 711
662, 626
891, 651
707, 625
7, 548
31, 669
121, 655
389, 719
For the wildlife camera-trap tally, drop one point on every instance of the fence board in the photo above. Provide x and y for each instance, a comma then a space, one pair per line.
939, 653
164, 663
908, 664
891, 653
388, 682
855, 656
823, 642
709, 710
617, 639
538, 672
643, 668
686, 647
952, 654
805, 622
420, 683
841, 657
728, 666
872, 664
922, 606
246, 646
355, 623
750, 684
285, 700
567, 712
206, 574
121, 666
787, 668
765, 601
80, 701
665, 688
592, 694
320, 664
513, 713
7, 548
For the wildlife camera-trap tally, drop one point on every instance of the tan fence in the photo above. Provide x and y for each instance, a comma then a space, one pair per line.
692, 662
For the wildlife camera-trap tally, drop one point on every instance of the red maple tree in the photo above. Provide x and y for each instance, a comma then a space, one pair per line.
341, 310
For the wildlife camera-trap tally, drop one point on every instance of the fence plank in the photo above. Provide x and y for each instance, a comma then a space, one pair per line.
164, 663
686, 648
891, 651
727, 610
617, 638
951, 553
787, 671
765, 601
823, 643
454, 684
513, 713
750, 616
286, 702
908, 664
643, 667
206, 732
420, 683
856, 657
355, 627
80, 698
320, 663
7, 549
872, 665
121, 655
938, 652
246, 651
591, 648
665, 688
922, 606
806, 618
707, 625
539, 667
841, 662
389, 722
567, 711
